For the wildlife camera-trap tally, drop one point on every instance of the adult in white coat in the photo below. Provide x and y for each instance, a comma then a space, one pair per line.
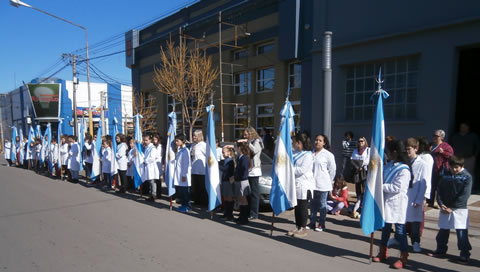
150, 171
199, 155
7, 151
304, 181
324, 169
74, 162
122, 161
397, 179
53, 156
182, 175
130, 165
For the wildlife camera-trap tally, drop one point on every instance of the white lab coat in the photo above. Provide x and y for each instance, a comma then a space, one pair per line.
121, 157
7, 150
395, 196
150, 170
38, 151
324, 168
158, 149
416, 194
53, 155
74, 157
64, 154
199, 154
106, 160
182, 168
130, 163
428, 175
88, 147
303, 170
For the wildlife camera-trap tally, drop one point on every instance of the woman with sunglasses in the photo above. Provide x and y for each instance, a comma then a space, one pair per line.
360, 159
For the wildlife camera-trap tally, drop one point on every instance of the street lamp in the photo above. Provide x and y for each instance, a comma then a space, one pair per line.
18, 3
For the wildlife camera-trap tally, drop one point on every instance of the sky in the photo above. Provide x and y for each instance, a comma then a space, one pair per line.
32, 43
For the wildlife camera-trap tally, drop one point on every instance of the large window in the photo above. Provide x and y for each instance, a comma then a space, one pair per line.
400, 77
265, 116
265, 79
264, 48
242, 83
240, 54
297, 110
241, 120
295, 75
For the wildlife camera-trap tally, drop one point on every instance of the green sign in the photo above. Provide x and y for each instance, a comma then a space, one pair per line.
45, 99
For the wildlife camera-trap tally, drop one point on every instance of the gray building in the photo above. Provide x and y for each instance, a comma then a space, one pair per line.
428, 51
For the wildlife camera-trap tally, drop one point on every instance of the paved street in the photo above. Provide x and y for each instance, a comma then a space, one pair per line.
50, 225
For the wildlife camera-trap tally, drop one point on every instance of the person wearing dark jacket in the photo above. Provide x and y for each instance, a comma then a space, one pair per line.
453, 192
242, 187
227, 168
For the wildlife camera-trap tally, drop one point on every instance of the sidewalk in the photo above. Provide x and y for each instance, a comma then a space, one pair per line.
431, 215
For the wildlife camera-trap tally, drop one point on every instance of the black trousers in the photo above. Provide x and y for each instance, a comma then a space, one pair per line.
301, 213
88, 170
198, 190
9, 162
254, 197
122, 179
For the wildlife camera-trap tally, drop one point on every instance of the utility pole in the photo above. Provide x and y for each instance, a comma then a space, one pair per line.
75, 83
327, 84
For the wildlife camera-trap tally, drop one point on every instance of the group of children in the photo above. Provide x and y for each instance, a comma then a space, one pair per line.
407, 178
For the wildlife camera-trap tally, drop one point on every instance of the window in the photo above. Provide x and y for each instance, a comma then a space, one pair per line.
240, 54
241, 120
264, 48
296, 109
400, 76
295, 75
265, 80
265, 116
242, 83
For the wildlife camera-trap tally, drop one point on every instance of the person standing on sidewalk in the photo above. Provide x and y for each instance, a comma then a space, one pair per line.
441, 151
150, 166
7, 151
199, 155
251, 137
453, 192
74, 163
304, 181
324, 169
397, 178
122, 161
182, 176
467, 145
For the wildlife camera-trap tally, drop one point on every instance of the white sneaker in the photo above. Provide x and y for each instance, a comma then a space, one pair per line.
392, 242
416, 247
318, 228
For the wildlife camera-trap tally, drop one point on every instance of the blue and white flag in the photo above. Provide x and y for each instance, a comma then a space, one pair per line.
47, 146
170, 154
373, 217
139, 157
212, 173
114, 164
96, 167
21, 155
38, 132
59, 142
283, 193
31, 138
13, 153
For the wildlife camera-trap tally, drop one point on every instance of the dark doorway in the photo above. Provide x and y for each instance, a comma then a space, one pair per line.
468, 88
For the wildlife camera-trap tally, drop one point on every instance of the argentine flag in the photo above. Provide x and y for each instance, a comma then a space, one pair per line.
212, 174
38, 132
20, 145
13, 153
170, 153
59, 142
96, 167
31, 138
373, 217
283, 194
113, 164
48, 133
139, 156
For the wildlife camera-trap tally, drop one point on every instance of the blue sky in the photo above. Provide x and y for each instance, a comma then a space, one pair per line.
32, 43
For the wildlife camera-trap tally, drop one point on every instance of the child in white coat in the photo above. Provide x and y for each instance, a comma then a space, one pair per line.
106, 163
150, 172
181, 177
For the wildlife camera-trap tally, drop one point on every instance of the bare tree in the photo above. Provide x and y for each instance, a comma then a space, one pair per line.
145, 105
187, 76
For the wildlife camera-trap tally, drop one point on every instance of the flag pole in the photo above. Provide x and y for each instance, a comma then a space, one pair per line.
273, 221
371, 249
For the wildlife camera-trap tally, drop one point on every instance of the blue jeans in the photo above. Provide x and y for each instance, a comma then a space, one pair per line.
318, 204
184, 194
400, 235
462, 241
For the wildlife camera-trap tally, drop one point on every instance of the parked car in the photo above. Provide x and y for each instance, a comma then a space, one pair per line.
265, 181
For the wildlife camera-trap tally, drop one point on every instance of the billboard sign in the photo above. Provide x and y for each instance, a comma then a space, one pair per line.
96, 112
45, 99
